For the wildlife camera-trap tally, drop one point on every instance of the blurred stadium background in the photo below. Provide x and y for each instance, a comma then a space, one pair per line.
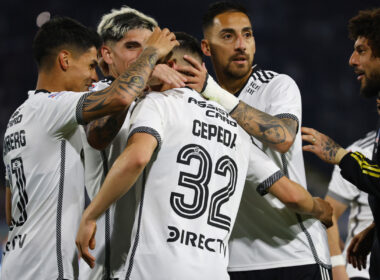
304, 39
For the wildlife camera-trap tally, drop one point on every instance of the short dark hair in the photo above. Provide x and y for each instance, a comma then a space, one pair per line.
367, 24
188, 43
218, 8
62, 32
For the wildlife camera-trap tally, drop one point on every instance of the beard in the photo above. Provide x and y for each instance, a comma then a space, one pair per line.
372, 85
239, 72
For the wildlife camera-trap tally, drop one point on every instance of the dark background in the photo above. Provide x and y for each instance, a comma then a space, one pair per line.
304, 39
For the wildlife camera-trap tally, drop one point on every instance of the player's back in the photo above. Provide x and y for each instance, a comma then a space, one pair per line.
191, 189
46, 202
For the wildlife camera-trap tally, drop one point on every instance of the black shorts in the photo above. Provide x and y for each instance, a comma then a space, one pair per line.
302, 272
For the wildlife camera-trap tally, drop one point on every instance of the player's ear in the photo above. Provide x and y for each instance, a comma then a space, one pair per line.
106, 54
171, 63
205, 47
63, 59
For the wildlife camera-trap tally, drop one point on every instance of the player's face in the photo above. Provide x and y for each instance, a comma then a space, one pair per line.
231, 44
128, 49
367, 67
82, 70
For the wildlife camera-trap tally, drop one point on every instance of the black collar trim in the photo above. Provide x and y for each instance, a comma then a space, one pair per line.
41, 90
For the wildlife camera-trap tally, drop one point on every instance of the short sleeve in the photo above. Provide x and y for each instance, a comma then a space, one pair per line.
262, 171
284, 98
61, 112
148, 117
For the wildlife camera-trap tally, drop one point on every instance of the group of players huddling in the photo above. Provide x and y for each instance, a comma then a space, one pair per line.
188, 178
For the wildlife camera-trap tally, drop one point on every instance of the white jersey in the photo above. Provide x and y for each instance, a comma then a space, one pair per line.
191, 189
360, 213
276, 237
114, 227
42, 157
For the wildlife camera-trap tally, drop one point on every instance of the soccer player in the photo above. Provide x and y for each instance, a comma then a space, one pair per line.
190, 160
355, 167
42, 145
342, 194
124, 33
268, 241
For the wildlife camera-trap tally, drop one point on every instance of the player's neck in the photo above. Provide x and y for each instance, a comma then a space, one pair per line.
49, 82
232, 84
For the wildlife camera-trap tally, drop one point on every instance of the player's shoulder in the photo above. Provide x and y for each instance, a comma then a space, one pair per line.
102, 84
169, 95
364, 142
271, 78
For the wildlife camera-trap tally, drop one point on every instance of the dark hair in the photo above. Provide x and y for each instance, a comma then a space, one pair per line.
62, 32
188, 43
367, 24
218, 8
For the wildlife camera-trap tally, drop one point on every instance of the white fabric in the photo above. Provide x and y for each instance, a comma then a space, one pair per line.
121, 213
184, 217
267, 234
46, 125
360, 215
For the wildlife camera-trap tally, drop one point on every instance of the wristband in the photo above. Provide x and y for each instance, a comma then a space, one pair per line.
337, 260
214, 92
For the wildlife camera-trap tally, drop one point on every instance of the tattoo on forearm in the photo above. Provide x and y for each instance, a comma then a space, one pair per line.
102, 131
329, 149
266, 128
130, 84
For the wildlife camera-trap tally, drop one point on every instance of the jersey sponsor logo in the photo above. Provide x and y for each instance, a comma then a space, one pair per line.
56, 94
16, 242
196, 240
213, 111
214, 132
14, 141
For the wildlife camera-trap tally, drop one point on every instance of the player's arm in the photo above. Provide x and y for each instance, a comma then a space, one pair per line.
277, 133
131, 84
119, 180
102, 131
295, 197
360, 247
338, 263
355, 167
8, 204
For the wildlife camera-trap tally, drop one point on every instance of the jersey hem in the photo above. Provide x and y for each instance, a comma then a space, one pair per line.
271, 265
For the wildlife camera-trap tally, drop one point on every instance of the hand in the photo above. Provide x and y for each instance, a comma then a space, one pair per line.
162, 73
162, 40
196, 73
322, 145
85, 239
323, 211
360, 247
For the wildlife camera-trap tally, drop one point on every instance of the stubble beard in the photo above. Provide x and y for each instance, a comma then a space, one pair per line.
372, 85
236, 74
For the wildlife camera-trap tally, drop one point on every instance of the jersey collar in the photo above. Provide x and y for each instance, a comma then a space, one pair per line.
41, 90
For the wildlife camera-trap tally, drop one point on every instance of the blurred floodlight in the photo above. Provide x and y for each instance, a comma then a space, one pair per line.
42, 18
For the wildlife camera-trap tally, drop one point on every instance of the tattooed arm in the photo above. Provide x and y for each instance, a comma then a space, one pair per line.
279, 134
322, 145
101, 132
129, 85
